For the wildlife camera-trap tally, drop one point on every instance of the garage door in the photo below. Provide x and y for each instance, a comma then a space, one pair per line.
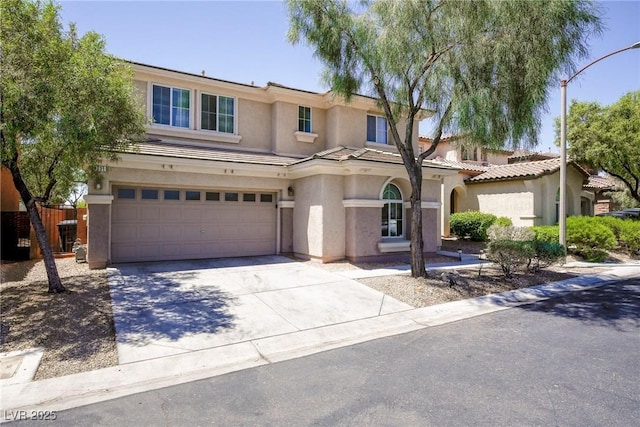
154, 224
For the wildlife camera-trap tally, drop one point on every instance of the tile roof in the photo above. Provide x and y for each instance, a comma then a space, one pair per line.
341, 153
526, 170
471, 167
167, 149
597, 182
528, 156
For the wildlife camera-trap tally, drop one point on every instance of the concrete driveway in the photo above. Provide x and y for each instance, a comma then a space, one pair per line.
168, 308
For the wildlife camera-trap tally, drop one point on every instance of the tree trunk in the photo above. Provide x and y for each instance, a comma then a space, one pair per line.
55, 284
417, 244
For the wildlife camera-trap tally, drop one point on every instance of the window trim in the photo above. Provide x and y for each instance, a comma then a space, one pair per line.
235, 113
386, 130
171, 87
390, 202
310, 120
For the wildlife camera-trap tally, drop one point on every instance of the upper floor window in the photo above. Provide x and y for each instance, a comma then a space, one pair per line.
469, 153
171, 106
304, 119
217, 113
376, 129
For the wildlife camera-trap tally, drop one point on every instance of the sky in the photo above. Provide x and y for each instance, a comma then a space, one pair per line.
246, 41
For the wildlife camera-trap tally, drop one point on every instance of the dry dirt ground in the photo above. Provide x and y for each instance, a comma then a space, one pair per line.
76, 327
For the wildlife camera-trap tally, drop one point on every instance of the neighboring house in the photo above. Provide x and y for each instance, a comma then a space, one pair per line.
522, 186
232, 169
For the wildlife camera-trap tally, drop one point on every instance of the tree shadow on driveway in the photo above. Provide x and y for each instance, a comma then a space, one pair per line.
616, 306
167, 306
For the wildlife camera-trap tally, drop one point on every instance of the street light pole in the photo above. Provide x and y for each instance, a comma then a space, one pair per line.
562, 209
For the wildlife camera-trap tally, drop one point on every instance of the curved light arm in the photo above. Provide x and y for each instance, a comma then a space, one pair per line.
636, 45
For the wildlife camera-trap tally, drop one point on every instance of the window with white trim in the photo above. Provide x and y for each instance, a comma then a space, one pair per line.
171, 106
217, 113
304, 119
376, 129
392, 212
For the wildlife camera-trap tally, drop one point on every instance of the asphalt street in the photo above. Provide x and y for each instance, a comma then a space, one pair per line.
569, 361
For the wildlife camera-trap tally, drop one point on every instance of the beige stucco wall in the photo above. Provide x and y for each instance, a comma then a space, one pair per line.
178, 177
346, 126
284, 122
431, 230
98, 235
254, 124
319, 217
363, 186
286, 230
507, 198
362, 232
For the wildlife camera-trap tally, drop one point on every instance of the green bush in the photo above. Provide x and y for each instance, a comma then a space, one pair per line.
547, 233
472, 224
546, 253
614, 224
510, 254
590, 237
630, 236
503, 221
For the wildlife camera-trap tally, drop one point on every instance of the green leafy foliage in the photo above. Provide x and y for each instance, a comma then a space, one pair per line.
608, 138
471, 224
66, 105
503, 221
630, 236
483, 67
547, 233
547, 253
590, 237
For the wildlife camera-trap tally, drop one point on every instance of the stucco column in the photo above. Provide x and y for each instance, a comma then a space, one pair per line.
98, 230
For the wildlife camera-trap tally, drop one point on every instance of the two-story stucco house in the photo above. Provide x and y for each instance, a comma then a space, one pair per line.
232, 169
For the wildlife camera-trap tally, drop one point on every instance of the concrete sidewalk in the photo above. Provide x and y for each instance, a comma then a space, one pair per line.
84, 388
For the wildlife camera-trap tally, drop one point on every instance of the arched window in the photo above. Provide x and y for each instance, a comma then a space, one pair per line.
392, 212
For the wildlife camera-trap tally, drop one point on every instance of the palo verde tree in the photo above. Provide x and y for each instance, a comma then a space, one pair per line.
482, 67
608, 138
65, 105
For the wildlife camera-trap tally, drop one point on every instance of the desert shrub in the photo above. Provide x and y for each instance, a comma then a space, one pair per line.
547, 233
503, 221
510, 254
472, 224
630, 236
546, 253
589, 238
497, 232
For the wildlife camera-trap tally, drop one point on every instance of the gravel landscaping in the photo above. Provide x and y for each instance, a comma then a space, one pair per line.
75, 327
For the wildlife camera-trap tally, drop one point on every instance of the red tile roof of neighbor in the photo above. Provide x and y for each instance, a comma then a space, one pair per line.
469, 167
597, 182
526, 170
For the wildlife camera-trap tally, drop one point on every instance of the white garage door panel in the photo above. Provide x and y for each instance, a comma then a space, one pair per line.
155, 230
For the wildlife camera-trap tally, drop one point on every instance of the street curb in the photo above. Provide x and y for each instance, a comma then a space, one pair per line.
57, 394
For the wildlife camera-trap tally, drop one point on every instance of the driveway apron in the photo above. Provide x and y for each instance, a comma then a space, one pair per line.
169, 308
